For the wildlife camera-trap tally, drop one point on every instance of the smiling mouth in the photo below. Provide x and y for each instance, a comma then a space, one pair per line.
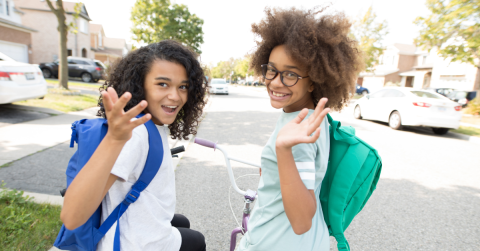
278, 95
169, 109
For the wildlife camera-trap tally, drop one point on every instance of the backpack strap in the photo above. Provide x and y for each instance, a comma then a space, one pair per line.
152, 165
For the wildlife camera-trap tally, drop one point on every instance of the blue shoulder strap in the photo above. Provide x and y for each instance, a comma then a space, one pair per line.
152, 165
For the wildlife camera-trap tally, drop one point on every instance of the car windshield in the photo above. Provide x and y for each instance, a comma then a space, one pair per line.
422, 94
457, 95
219, 81
4, 57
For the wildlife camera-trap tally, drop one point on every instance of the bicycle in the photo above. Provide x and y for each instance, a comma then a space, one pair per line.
249, 195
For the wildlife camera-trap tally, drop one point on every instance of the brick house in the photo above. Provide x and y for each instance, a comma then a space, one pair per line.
406, 65
45, 42
106, 49
15, 38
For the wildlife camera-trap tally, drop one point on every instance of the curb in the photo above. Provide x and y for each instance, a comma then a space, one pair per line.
473, 139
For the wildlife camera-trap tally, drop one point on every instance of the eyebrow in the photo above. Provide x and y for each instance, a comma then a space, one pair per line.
168, 79
286, 66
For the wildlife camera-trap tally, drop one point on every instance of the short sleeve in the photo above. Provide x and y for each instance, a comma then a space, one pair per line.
304, 156
131, 156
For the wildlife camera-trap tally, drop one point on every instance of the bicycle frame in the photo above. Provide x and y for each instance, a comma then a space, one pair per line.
249, 195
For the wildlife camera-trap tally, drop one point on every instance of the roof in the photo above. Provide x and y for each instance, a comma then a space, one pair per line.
378, 72
69, 7
115, 52
408, 74
405, 48
95, 28
8, 23
114, 43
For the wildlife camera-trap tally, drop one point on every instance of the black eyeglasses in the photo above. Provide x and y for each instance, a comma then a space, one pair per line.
288, 78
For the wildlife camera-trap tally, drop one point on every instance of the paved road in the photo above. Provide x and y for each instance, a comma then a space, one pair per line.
428, 197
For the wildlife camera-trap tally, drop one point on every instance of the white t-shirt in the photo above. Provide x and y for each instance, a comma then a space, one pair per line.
146, 223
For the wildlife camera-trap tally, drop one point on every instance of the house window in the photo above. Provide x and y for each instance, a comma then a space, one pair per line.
84, 52
69, 52
83, 25
7, 8
1, 6
100, 44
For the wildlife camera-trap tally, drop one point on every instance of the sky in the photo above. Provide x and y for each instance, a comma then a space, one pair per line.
227, 24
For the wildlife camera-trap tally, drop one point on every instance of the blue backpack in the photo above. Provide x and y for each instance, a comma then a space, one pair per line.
88, 133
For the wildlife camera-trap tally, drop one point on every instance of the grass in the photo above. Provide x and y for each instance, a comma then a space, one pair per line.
25, 225
471, 131
63, 103
93, 86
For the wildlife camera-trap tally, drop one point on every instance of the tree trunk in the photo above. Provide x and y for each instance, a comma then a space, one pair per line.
63, 32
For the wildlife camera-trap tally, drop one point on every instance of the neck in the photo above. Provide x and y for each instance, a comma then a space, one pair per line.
306, 102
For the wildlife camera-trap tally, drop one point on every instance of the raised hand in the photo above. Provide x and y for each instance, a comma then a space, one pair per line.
300, 130
120, 124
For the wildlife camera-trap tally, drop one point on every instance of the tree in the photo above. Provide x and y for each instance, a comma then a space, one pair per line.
63, 29
453, 28
242, 69
224, 68
157, 20
370, 35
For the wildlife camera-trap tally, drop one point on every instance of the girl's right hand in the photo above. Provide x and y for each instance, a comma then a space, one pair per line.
120, 124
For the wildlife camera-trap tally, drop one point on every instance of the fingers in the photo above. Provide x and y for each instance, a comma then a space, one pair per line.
136, 110
313, 138
113, 94
141, 120
107, 101
119, 105
301, 116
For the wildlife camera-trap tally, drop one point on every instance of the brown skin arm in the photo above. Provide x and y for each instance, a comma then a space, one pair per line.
300, 204
89, 187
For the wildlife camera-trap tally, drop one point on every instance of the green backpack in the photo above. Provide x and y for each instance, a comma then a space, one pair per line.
353, 171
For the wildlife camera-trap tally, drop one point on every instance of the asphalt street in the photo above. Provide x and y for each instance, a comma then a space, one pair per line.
428, 197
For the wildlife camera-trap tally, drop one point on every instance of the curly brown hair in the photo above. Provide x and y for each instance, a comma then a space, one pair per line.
332, 59
128, 74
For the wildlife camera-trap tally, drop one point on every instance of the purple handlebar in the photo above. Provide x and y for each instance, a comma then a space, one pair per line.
205, 142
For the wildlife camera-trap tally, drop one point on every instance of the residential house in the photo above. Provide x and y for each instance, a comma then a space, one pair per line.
106, 49
407, 66
45, 42
15, 38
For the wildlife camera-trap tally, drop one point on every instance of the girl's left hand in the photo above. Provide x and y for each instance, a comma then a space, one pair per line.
300, 130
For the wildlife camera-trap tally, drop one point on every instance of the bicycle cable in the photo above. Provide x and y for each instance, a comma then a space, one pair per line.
230, 202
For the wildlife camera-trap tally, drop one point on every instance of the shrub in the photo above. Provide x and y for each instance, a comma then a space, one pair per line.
473, 107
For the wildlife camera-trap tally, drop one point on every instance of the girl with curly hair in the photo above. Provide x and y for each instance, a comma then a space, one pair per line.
310, 66
166, 82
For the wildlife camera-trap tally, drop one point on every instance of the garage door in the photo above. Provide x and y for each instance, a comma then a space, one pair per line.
16, 51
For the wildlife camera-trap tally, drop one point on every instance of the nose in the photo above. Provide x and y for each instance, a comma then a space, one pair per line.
276, 82
173, 94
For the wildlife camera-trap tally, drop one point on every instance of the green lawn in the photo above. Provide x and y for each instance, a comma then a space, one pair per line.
25, 225
63, 103
93, 86
468, 131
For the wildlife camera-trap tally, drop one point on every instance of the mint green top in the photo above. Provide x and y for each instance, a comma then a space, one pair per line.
268, 227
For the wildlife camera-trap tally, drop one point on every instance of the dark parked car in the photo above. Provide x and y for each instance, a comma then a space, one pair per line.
441, 91
462, 97
361, 90
88, 70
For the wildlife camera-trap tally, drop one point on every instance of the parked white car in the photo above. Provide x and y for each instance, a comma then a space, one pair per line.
218, 85
410, 107
20, 81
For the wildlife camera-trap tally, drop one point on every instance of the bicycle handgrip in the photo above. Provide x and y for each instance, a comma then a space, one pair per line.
204, 142
176, 150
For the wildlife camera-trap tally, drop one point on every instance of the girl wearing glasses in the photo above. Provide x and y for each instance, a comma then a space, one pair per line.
305, 58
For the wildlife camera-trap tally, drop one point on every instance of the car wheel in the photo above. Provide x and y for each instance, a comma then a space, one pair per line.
364, 92
86, 77
395, 121
46, 73
357, 113
440, 131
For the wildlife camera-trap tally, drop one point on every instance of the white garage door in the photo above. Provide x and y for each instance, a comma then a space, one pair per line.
16, 51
